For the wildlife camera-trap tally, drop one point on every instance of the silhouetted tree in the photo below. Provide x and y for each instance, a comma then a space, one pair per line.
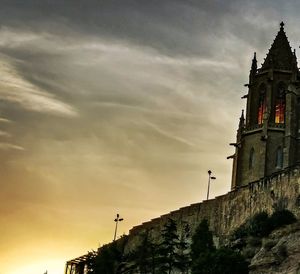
108, 258
171, 251
202, 240
183, 256
146, 255
206, 259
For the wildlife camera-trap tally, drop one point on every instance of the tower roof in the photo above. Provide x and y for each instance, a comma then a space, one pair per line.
280, 55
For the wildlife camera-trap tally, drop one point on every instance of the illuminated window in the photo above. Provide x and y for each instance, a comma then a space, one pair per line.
251, 158
279, 157
261, 105
280, 104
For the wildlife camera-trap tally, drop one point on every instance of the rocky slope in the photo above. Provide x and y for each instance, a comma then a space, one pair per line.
277, 253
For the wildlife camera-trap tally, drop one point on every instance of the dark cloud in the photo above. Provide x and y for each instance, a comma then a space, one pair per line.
171, 27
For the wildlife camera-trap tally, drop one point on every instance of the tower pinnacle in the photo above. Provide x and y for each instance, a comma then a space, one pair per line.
242, 120
254, 63
280, 55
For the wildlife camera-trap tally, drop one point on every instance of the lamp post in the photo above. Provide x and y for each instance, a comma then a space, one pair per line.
209, 178
117, 220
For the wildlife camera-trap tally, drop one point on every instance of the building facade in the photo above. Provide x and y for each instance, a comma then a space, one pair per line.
268, 137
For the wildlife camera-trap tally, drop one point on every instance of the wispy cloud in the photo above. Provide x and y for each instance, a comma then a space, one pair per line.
4, 120
4, 134
8, 146
169, 135
14, 88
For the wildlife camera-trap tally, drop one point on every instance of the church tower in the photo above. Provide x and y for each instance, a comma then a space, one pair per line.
268, 137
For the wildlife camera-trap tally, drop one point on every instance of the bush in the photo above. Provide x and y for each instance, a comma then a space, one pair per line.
220, 261
259, 225
229, 262
281, 218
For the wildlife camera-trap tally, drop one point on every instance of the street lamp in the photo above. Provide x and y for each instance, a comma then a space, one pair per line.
209, 178
117, 220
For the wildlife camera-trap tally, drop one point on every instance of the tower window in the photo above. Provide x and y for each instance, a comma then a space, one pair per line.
261, 104
251, 158
279, 157
280, 104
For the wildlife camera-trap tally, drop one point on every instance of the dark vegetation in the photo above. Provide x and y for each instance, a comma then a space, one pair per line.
253, 234
176, 251
173, 252
108, 258
207, 259
261, 224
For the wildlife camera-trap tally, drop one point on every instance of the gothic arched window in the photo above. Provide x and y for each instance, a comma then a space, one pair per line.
279, 157
261, 104
251, 158
280, 104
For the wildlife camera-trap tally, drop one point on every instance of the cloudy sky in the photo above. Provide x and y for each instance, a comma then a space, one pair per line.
117, 106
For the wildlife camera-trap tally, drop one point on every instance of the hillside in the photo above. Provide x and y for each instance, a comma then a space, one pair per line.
278, 253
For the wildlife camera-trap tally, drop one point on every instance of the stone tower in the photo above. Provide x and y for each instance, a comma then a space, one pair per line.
268, 137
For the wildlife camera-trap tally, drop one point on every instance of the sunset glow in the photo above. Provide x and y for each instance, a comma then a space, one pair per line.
113, 107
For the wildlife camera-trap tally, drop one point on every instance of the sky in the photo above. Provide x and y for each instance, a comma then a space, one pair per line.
118, 106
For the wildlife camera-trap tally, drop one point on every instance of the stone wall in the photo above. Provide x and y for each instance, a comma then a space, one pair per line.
252, 139
229, 211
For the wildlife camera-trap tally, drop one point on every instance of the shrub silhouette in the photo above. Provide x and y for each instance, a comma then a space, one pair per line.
206, 259
259, 225
281, 218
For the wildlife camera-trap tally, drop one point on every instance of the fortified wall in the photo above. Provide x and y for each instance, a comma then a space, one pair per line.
229, 211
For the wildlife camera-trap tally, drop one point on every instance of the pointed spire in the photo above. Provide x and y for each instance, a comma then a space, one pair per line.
295, 57
295, 66
242, 121
242, 115
280, 55
254, 63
